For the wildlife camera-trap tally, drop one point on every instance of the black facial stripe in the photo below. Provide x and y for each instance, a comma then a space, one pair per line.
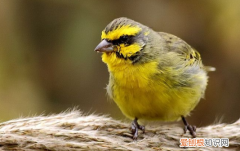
119, 55
125, 39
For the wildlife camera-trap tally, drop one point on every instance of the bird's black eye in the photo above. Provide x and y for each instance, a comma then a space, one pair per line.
124, 39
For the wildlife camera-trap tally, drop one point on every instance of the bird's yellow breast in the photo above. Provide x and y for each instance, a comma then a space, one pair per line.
139, 94
130, 75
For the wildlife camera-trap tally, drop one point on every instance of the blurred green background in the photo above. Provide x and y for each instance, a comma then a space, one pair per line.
47, 62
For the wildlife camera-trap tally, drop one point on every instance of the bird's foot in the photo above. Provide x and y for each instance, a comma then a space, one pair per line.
190, 128
135, 127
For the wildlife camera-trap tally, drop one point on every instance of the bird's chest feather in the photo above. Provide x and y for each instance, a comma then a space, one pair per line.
132, 82
132, 76
128, 79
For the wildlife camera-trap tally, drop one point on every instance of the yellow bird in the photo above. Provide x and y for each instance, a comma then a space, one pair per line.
153, 75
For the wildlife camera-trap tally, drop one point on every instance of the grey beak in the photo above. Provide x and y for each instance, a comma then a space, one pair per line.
104, 46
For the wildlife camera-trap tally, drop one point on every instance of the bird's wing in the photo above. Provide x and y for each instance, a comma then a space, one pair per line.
187, 53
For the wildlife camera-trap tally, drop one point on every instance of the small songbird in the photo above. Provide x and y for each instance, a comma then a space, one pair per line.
153, 75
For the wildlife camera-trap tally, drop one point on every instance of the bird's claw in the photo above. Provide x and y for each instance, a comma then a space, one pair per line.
191, 129
135, 127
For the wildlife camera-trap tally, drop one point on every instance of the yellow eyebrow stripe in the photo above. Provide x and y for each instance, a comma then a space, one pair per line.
122, 30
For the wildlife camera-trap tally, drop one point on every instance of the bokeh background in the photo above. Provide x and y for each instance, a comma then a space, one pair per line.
47, 62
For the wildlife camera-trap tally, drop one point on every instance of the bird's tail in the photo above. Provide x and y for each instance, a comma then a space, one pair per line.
209, 68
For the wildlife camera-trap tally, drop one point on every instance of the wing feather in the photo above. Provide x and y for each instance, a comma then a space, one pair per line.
188, 54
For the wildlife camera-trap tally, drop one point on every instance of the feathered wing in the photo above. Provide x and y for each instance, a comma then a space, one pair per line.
189, 54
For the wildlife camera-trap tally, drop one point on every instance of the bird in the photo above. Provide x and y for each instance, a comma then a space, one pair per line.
153, 76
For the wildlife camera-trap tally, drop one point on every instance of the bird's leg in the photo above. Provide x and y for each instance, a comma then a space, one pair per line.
135, 127
192, 129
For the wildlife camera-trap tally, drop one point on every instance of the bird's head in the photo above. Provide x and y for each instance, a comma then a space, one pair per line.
123, 40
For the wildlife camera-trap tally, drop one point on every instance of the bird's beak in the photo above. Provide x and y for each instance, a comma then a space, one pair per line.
105, 46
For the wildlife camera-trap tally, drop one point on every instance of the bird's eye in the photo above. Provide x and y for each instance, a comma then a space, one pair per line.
124, 38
